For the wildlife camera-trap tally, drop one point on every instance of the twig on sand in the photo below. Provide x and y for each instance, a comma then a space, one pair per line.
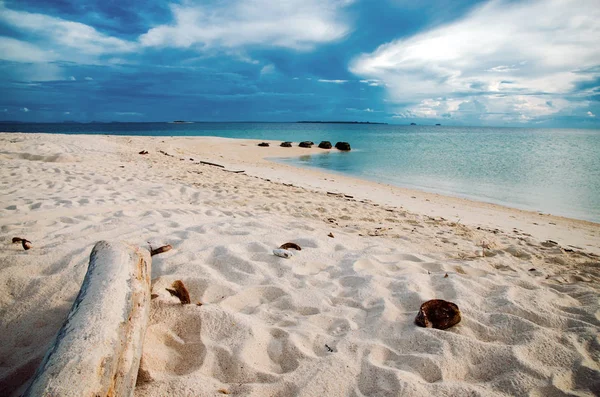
213, 164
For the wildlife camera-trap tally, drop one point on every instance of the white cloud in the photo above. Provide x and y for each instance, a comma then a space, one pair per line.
590, 114
21, 51
25, 110
333, 81
502, 69
88, 78
510, 57
267, 69
231, 24
368, 110
53, 36
72, 78
371, 82
67, 113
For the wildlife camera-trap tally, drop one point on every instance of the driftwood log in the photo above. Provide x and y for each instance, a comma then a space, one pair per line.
98, 349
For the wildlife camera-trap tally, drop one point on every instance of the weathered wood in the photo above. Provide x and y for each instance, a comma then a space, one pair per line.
98, 349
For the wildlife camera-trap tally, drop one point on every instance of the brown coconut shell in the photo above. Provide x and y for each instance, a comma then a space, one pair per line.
287, 246
438, 313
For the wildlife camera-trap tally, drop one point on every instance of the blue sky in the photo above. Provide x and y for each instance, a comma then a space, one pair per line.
534, 63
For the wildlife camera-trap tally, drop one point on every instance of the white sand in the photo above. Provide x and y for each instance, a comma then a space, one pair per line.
265, 320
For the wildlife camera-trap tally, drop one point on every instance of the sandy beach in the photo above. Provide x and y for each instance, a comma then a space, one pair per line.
336, 319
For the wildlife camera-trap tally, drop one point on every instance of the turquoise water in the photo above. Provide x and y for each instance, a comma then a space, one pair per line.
548, 170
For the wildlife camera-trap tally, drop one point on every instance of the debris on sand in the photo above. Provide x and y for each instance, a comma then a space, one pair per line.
438, 313
180, 291
25, 243
283, 253
160, 250
213, 164
291, 245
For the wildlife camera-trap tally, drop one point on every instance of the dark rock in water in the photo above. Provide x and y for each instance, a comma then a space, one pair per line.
438, 313
342, 146
307, 144
286, 144
413, 123
264, 144
325, 145
438, 124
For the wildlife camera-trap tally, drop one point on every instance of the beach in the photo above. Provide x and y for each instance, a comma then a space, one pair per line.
337, 318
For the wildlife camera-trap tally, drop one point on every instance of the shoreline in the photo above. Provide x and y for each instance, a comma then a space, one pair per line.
238, 154
417, 189
470, 212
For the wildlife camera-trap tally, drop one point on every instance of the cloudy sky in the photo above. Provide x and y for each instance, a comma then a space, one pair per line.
462, 62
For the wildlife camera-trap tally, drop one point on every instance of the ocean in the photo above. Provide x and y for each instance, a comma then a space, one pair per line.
554, 171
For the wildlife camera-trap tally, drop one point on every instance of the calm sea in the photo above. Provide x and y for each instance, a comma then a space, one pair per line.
548, 170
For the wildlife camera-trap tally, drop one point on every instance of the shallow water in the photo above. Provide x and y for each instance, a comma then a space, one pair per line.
549, 170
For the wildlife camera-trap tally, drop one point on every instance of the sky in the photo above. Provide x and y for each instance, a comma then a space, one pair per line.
454, 62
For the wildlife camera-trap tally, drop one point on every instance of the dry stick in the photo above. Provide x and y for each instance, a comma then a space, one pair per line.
213, 164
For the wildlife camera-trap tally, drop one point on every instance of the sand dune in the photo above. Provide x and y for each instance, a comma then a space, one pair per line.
337, 318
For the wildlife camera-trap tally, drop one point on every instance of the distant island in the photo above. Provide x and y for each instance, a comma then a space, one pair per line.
337, 122
182, 122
